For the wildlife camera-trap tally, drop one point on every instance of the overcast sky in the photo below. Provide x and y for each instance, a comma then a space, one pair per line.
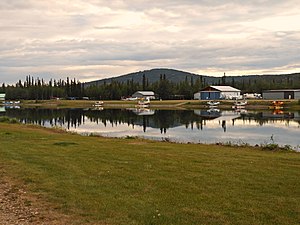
94, 39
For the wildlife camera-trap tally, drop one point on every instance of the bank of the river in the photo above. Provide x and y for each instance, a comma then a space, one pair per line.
132, 181
224, 104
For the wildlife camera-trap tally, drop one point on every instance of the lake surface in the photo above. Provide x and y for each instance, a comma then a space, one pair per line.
196, 126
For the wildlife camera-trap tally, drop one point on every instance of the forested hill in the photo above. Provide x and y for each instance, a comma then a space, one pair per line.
246, 82
152, 76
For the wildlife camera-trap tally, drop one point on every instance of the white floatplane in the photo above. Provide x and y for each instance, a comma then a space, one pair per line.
98, 104
212, 103
239, 104
143, 103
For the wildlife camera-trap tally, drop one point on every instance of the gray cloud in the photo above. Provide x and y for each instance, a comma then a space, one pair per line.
93, 39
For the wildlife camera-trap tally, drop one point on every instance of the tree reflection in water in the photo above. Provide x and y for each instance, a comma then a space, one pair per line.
147, 118
213, 125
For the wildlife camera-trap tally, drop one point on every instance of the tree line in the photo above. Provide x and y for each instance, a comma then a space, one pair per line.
35, 88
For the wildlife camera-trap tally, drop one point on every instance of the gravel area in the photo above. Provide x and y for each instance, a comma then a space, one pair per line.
18, 207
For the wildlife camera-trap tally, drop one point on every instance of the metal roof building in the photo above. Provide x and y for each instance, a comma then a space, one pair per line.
144, 94
218, 92
281, 94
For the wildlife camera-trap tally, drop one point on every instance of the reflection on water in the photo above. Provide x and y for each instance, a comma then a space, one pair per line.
205, 126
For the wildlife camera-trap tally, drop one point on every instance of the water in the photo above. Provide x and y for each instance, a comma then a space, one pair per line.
196, 126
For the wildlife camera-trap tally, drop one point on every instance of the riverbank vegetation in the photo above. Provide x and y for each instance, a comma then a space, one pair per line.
132, 181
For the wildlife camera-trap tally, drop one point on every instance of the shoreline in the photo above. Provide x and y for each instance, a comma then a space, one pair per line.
155, 104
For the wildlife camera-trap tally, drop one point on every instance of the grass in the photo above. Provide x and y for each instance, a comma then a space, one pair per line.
134, 181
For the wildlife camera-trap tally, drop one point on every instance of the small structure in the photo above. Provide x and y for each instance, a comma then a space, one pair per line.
2, 97
144, 94
281, 94
218, 92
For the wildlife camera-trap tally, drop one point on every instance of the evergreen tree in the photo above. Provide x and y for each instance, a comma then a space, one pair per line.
144, 82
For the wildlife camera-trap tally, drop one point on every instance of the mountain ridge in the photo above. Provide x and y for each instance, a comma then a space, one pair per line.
177, 76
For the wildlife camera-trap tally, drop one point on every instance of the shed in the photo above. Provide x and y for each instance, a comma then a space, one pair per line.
281, 94
218, 92
144, 94
2, 97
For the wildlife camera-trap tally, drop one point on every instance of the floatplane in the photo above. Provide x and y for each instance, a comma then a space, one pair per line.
143, 103
239, 104
98, 104
213, 103
276, 105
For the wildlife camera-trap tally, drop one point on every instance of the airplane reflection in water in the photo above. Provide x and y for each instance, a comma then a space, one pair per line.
207, 118
259, 118
221, 116
142, 111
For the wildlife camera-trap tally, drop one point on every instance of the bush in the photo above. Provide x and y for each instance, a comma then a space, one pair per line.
276, 147
5, 119
270, 147
131, 137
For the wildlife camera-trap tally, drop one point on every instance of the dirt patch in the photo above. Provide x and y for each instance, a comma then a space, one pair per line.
19, 207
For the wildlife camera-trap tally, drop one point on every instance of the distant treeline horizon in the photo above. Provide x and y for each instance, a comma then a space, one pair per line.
166, 84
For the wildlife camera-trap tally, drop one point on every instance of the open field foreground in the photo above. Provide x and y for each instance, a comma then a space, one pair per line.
97, 180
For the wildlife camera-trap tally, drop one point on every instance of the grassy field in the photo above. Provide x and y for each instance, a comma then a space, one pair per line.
133, 181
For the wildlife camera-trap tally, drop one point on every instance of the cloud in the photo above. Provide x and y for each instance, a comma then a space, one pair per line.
93, 39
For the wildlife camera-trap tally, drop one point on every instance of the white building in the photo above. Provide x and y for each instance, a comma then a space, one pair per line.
2, 97
144, 94
218, 92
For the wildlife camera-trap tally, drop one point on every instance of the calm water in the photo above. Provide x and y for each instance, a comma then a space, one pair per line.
197, 126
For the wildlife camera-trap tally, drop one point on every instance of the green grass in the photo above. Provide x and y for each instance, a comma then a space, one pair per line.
133, 181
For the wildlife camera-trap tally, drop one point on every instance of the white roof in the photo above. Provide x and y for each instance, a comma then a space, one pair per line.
225, 88
2, 95
145, 92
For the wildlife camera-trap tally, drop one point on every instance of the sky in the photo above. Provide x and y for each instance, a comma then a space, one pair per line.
94, 39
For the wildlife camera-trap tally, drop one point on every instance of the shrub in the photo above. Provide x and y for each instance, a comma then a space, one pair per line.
270, 147
130, 137
5, 119
276, 147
